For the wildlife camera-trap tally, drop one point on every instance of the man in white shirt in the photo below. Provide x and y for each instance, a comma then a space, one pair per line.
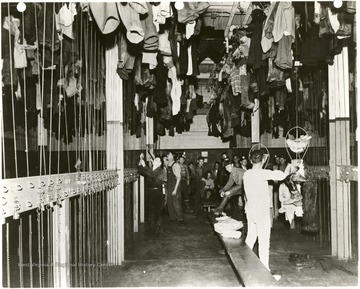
258, 204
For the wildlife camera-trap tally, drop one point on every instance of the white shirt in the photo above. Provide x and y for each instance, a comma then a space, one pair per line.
257, 189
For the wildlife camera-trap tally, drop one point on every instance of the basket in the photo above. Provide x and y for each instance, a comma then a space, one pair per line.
298, 145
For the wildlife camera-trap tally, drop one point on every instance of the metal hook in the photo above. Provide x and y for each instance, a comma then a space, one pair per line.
16, 215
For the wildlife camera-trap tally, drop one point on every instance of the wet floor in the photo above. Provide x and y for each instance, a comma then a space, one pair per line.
191, 255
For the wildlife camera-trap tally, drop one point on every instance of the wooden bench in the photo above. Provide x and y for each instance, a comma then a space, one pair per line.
208, 206
248, 266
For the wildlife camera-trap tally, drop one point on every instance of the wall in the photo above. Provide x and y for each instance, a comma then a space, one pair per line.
196, 138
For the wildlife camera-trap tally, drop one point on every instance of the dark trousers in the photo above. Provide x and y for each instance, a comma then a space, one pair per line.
184, 194
156, 204
199, 189
174, 205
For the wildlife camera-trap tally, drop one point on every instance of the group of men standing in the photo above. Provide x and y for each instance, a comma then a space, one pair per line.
170, 181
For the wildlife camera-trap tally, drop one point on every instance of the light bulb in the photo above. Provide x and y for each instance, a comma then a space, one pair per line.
179, 5
21, 7
338, 3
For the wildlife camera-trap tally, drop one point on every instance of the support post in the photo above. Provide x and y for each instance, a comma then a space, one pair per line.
150, 152
115, 156
255, 126
136, 205
142, 199
339, 143
61, 245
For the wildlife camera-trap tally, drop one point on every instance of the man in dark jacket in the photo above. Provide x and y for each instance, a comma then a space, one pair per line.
155, 178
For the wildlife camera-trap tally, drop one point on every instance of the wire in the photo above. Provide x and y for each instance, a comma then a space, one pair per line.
80, 134
20, 252
51, 84
30, 252
61, 96
42, 92
25, 104
8, 255
86, 100
12, 93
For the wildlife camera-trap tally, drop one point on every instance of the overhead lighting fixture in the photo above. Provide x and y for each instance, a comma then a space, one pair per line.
179, 5
21, 7
338, 3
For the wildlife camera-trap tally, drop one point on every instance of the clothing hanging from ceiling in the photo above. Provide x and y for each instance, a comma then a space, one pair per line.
272, 38
159, 53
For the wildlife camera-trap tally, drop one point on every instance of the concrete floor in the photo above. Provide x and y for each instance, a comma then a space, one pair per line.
191, 255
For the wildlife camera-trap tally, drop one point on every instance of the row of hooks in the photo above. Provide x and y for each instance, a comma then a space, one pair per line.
20, 195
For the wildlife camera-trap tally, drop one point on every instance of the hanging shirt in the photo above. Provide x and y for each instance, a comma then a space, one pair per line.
65, 18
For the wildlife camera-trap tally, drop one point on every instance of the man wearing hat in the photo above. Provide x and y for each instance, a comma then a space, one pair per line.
155, 177
243, 163
224, 174
276, 165
236, 161
185, 182
284, 165
235, 177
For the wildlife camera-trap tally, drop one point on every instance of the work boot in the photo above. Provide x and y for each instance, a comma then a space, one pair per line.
188, 209
222, 204
217, 211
